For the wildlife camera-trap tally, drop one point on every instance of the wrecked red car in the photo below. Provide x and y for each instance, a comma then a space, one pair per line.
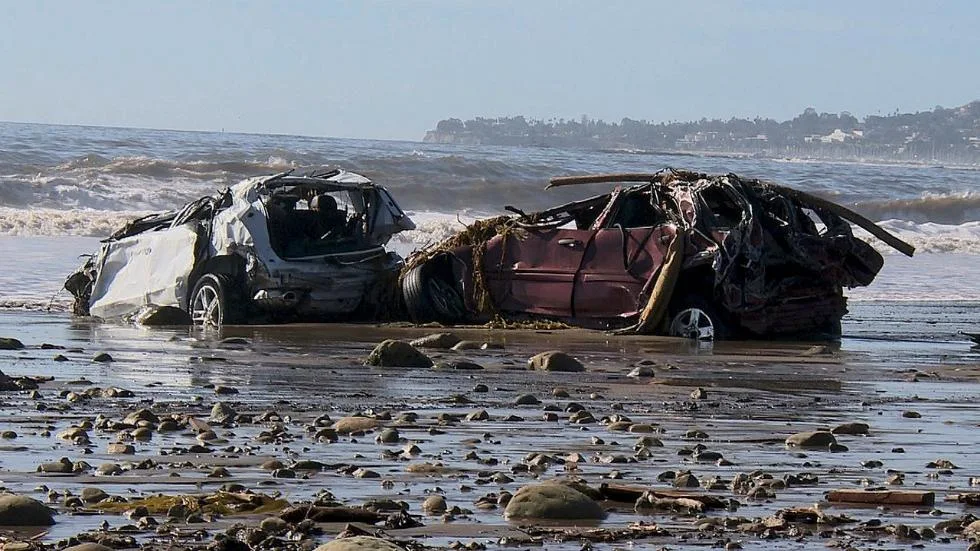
678, 253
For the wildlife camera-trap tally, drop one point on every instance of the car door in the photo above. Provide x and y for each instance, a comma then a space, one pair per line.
535, 272
153, 267
615, 270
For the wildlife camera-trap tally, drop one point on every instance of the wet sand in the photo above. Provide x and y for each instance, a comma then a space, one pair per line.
894, 359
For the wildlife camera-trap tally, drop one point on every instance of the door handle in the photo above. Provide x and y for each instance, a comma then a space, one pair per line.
570, 243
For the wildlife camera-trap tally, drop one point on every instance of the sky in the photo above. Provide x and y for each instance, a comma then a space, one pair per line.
393, 69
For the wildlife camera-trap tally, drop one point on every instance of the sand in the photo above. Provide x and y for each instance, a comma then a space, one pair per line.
914, 384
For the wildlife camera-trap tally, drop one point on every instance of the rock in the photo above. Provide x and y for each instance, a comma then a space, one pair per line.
388, 436
273, 525
88, 547
642, 371
93, 495
392, 353
972, 529
222, 413
911, 414
434, 505
356, 423
555, 360
527, 400
359, 543
811, 439
222, 390
120, 448
162, 316
699, 394
8, 343
73, 433
686, 480
63, 465
102, 357
272, 465
141, 415
108, 469
552, 500
853, 429
24, 511
116, 392
441, 341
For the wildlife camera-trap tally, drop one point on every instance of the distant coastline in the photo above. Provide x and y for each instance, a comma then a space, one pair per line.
944, 136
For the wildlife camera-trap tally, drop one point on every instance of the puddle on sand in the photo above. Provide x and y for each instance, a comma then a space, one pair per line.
757, 394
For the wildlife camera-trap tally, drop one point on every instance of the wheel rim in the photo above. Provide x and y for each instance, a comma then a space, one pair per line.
206, 310
693, 323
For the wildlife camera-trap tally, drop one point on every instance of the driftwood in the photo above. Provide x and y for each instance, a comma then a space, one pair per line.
630, 494
331, 514
971, 498
663, 289
881, 497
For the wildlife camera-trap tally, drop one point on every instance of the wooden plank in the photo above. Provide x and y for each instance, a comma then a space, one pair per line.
881, 497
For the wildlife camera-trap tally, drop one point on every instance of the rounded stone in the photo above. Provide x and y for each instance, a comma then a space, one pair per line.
18, 510
434, 505
354, 423
552, 500
555, 360
392, 353
853, 429
811, 439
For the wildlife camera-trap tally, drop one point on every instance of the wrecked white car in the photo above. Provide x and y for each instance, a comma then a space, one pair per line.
267, 249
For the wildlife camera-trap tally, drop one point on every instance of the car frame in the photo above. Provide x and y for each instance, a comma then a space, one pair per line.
248, 254
679, 253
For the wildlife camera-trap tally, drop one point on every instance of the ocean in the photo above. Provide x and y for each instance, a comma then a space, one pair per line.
64, 187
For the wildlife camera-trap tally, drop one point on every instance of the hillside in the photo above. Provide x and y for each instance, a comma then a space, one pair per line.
938, 136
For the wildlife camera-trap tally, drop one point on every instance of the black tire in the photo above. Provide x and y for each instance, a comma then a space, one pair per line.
215, 301
430, 297
695, 317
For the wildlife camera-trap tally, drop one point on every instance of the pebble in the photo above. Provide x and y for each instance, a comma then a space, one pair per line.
102, 357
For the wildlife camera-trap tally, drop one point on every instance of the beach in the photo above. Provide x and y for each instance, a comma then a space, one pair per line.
739, 400
239, 435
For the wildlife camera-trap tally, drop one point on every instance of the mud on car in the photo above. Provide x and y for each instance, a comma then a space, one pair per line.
268, 248
678, 252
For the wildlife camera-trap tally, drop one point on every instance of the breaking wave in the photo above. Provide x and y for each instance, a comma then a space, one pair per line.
941, 208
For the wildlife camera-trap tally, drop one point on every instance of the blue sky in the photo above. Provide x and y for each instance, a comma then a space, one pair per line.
392, 69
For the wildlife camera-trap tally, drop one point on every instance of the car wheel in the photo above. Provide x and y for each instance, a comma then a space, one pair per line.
216, 301
693, 317
429, 297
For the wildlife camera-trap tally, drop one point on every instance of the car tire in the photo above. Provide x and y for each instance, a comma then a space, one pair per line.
430, 297
694, 317
216, 301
